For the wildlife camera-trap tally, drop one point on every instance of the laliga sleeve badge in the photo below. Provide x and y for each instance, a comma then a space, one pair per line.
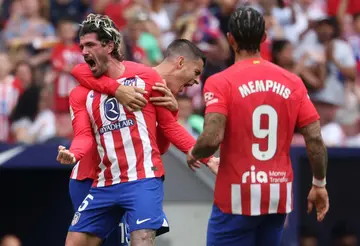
76, 218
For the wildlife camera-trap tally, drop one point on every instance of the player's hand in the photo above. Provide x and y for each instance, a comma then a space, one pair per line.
131, 97
213, 164
168, 100
319, 198
65, 156
192, 163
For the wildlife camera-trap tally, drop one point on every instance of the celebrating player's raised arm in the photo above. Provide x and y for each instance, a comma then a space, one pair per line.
83, 136
309, 124
128, 96
215, 119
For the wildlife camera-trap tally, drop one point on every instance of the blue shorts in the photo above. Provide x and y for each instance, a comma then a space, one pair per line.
241, 230
103, 207
78, 190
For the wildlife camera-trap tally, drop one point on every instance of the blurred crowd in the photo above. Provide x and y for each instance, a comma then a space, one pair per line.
319, 40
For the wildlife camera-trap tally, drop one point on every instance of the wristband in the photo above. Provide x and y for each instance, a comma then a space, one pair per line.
319, 183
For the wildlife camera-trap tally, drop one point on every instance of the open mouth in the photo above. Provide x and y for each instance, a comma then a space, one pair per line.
91, 63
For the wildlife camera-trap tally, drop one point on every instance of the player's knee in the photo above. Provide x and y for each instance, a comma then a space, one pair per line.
144, 237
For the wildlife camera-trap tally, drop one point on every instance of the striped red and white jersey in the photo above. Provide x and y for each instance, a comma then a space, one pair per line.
126, 141
263, 105
9, 95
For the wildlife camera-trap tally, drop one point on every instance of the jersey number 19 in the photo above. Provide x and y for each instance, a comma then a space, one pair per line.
270, 132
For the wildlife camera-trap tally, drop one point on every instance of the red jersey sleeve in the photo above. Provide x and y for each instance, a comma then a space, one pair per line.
171, 129
104, 84
216, 94
83, 137
162, 142
307, 113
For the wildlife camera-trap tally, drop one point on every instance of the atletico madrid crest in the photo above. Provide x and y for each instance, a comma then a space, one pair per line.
76, 218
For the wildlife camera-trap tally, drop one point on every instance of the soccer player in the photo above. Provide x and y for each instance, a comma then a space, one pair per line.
182, 67
130, 174
252, 109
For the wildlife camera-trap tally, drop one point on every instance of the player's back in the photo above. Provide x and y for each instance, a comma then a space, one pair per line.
263, 102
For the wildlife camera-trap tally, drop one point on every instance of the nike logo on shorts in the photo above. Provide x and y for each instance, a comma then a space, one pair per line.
138, 222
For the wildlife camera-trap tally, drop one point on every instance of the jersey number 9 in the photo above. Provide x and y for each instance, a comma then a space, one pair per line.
270, 132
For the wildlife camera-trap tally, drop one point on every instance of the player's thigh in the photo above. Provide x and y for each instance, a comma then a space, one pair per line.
230, 229
145, 211
120, 236
270, 230
98, 214
81, 239
78, 190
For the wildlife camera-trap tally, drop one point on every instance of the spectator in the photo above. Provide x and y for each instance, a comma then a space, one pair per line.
10, 240
31, 32
115, 9
32, 120
312, 76
75, 9
344, 234
24, 73
308, 236
323, 44
141, 37
9, 93
65, 55
203, 28
160, 17
354, 40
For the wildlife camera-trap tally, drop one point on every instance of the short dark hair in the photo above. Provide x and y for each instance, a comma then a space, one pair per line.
105, 30
247, 26
186, 48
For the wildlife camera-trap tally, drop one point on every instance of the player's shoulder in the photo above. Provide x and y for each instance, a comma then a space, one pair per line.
219, 78
79, 92
148, 74
284, 75
139, 68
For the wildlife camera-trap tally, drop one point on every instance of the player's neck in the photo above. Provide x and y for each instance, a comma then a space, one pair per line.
115, 69
243, 55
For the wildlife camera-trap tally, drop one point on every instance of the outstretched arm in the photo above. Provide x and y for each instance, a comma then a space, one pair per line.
216, 94
210, 139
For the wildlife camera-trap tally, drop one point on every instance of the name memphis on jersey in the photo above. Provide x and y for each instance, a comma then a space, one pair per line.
267, 85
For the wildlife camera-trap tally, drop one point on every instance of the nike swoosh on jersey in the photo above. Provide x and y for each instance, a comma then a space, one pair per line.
138, 222
10, 153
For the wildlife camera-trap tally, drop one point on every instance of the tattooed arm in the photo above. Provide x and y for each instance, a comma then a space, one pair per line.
316, 149
213, 134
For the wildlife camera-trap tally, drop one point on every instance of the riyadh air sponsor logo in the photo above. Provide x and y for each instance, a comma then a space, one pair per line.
258, 176
116, 126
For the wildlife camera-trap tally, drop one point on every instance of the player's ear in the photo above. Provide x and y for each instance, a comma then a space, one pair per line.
180, 62
110, 47
264, 37
231, 40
